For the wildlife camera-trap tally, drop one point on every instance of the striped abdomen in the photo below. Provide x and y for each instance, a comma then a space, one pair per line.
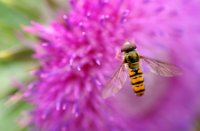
137, 81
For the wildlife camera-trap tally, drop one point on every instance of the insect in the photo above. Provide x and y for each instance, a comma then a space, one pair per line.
131, 62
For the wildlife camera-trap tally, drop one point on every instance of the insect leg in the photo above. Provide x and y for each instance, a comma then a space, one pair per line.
118, 55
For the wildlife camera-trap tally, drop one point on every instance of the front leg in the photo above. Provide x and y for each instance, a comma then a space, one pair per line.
118, 55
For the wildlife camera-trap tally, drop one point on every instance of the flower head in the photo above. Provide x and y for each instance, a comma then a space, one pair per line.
76, 55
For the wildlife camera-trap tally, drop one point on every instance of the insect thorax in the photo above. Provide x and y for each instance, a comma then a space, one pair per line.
132, 59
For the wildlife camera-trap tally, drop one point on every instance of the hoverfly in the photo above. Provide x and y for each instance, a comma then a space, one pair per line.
131, 62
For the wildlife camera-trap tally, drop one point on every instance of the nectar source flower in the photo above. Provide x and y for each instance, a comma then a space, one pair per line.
76, 55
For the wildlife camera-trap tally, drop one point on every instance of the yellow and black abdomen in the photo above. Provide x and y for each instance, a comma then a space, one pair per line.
137, 81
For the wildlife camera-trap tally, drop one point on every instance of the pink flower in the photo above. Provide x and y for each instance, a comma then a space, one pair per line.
76, 55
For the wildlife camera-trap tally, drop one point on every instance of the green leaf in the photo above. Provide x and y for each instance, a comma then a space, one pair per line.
10, 72
28, 8
10, 115
10, 23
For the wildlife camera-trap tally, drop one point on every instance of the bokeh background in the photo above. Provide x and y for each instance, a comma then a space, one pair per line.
15, 57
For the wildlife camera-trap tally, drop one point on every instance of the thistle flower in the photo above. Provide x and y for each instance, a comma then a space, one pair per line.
76, 56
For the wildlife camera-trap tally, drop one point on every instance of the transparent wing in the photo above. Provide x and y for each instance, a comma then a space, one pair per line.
162, 68
116, 82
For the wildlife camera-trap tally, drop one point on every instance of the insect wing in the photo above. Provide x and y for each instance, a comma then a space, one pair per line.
162, 68
116, 82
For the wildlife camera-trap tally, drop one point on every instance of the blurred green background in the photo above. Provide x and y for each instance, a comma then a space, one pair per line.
15, 61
